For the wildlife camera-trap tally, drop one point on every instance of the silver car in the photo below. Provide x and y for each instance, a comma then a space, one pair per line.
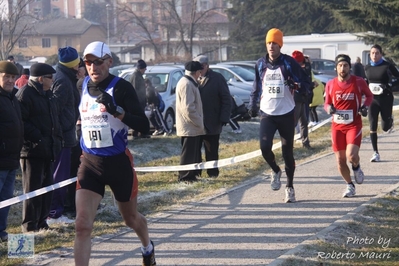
164, 79
235, 75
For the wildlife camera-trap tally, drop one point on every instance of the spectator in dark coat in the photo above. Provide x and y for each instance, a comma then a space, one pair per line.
11, 138
216, 102
76, 151
65, 92
42, 143
137, 81
358, 68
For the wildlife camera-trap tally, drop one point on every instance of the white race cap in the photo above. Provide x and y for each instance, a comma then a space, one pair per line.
98, 49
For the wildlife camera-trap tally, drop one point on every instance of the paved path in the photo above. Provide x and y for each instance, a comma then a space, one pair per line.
250, 224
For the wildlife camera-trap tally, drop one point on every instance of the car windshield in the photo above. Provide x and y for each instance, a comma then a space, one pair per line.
158, 80
243, 73
323, 65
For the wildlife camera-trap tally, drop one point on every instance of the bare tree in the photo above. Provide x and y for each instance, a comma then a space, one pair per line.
182, 18
187, 20
13, 24
130, 18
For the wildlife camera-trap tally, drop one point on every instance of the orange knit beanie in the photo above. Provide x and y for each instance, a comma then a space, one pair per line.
275, 35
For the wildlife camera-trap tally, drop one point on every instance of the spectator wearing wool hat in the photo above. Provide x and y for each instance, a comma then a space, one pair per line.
18, 65
277, 78
42, 143
138, 83
23, 79
302, 102
11, 138
216, 105
67, 96
189, 119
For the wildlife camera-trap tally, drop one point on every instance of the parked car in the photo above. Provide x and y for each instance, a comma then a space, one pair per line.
323, 66
248, 65
235, 75
116, 70
323, 77
164, 79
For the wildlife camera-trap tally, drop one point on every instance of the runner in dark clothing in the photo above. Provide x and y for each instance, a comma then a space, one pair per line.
277, 78
379, 74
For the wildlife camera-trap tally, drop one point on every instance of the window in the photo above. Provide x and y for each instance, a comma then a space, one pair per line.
204, 5
56, 12
37, 12
134, 7
342, 47
145, 7
46, 42
23, 43
226, 4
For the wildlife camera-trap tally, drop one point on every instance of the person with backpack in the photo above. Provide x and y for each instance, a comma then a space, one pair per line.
277, 78
157, 106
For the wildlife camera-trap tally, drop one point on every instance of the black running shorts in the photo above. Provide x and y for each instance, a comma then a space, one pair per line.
95, 172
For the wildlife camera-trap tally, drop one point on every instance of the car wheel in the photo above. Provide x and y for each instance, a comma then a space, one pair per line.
170, 119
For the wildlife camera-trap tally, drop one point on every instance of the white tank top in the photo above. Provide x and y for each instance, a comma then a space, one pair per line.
276, 98
102, 133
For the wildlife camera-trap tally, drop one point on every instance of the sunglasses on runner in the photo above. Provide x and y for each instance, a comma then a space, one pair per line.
97, 62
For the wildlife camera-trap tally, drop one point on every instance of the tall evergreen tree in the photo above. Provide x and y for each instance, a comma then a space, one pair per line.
371, 17
253, 18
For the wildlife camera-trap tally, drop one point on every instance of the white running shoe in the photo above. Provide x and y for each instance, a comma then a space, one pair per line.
157, 132
350, 191
359, 175
375, 157
289, 195
60, 220
312, 124
237, 131
275, 182
391, 129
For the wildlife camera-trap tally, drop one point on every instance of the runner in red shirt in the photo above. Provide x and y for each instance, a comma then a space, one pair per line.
344, 102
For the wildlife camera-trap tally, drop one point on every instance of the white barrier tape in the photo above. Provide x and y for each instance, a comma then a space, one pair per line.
195, 166
35, 193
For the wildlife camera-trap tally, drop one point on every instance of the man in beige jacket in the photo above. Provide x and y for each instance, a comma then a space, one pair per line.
189, 119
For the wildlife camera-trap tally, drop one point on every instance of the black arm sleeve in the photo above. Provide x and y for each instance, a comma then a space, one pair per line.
126, 97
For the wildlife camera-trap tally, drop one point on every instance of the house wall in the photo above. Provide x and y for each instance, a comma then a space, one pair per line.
79, 42
35, 48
